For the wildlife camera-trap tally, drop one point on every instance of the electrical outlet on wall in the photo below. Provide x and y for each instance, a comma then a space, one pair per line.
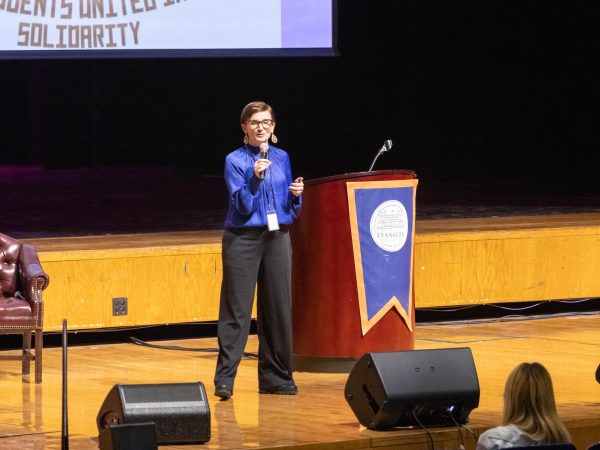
119, 306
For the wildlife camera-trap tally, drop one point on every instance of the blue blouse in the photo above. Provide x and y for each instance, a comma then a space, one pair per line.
250, 198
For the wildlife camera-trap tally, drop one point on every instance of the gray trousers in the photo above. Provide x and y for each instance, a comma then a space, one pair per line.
256, 257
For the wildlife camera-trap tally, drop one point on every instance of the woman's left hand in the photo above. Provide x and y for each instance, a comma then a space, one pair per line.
297, 186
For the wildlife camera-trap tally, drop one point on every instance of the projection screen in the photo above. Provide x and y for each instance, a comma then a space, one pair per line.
163, 28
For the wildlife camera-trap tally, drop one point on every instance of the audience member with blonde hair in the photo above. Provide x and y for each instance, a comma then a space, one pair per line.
530, 416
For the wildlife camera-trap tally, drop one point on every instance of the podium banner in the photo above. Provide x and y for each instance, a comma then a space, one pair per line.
382, 222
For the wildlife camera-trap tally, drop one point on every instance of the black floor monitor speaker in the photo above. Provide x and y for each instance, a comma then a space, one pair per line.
138, 436
428, 387
180, 411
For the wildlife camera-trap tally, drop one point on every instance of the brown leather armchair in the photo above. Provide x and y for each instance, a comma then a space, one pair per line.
22, 281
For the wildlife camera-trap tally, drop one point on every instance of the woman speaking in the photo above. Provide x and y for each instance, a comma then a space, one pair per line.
264, 200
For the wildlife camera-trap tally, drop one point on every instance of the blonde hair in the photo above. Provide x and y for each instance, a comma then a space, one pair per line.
529, 404
254, 107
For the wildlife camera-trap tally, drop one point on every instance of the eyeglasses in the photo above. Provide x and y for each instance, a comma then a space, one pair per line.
266, 123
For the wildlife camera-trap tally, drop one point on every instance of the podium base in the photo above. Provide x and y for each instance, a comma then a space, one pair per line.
323, 364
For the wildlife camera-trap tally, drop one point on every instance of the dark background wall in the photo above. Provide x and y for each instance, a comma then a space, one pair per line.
477, 90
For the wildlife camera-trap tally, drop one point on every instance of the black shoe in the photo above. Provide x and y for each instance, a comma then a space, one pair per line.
284, 389
224, 391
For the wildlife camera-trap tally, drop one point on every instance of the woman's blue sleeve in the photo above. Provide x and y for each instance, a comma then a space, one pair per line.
243, 187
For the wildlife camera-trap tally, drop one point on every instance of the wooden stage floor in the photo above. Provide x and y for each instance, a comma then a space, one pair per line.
569, 346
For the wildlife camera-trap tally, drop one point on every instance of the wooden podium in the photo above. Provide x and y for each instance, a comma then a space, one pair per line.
325, 306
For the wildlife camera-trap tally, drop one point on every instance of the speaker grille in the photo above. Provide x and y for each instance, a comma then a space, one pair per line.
163, 396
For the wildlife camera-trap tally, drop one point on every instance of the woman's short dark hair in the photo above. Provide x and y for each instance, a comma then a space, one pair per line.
254, 107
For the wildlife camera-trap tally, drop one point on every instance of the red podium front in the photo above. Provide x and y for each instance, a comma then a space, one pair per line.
325, 307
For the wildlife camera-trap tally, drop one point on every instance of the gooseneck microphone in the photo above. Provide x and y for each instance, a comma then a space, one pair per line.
387, 145
264, 154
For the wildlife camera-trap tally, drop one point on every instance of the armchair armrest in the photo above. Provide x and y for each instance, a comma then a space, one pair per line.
32, 278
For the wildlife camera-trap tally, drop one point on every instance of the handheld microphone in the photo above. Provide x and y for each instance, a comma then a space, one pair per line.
387, 145
264, 154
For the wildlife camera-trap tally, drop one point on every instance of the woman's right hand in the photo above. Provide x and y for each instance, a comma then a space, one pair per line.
261, 165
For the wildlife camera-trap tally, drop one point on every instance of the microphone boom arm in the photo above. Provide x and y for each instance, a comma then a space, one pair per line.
387, 145
379, 153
